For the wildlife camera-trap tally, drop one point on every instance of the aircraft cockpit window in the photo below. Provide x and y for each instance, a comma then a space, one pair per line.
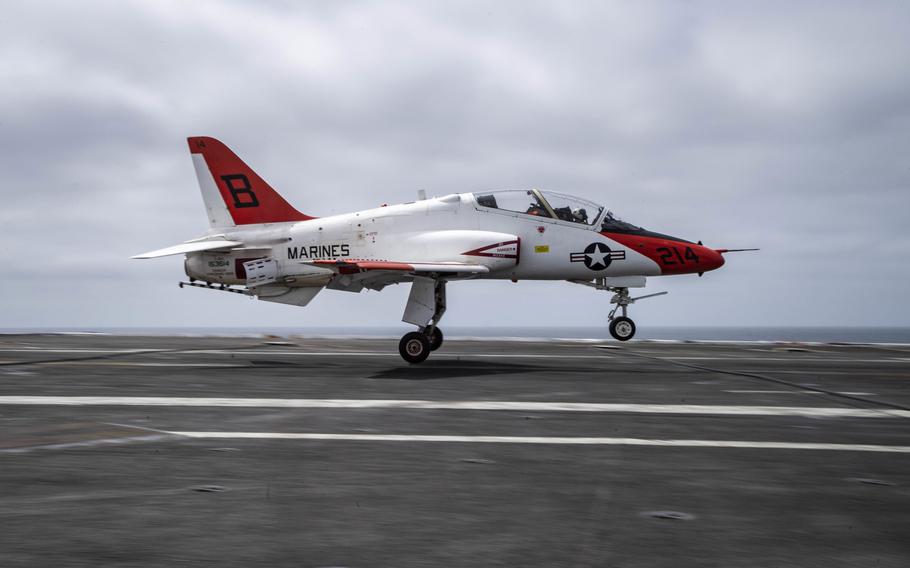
518, 201
487, 201
573, 209
613, 225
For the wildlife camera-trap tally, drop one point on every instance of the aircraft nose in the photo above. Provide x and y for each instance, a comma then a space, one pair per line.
711, 258
673, 255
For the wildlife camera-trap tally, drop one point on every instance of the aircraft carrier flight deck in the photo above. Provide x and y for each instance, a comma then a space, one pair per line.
170, 451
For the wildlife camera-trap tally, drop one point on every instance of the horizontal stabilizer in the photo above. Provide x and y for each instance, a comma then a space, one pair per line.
189, 247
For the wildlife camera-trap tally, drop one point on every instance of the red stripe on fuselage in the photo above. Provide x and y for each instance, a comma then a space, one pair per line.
352, 266
672, 256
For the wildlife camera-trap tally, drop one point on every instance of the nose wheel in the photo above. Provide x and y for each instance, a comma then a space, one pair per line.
622, 328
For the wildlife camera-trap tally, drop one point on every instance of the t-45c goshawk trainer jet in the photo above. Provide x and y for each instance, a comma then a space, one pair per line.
259, 245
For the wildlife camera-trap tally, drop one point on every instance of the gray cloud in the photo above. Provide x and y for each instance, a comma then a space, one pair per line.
780, 125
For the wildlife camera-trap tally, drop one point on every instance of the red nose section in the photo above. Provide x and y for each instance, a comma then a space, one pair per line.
713, 259
672, 255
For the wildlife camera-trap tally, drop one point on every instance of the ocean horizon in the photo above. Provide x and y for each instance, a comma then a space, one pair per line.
813, 334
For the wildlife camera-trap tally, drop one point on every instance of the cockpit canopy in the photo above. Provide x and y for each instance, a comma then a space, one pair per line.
613, 225
553, 205
542, 204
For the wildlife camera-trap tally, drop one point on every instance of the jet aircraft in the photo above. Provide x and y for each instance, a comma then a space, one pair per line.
259, 245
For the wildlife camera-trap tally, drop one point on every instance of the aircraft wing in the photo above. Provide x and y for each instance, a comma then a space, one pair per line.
184, 248
361, 266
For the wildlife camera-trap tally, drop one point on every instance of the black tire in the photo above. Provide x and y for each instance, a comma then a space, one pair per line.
414, 347
622, 329
435, 339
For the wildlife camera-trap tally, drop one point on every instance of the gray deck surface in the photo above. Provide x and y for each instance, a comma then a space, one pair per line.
110, 482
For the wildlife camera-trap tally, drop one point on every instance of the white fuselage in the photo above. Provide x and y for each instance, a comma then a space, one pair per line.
417, 232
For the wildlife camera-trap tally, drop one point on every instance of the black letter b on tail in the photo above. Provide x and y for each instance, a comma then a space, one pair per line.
241, 190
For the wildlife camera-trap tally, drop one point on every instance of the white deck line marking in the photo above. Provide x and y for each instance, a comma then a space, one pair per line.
89, 443
795, 391
81, 350
548, 440
140, 364
813, 412
787, 359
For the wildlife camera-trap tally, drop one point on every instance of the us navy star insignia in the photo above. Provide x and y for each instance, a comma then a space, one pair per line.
597, 256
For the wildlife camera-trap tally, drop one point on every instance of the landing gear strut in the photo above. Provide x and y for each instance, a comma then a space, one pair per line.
426, 305
622, 328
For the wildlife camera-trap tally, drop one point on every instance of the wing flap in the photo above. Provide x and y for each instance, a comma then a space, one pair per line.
343, 266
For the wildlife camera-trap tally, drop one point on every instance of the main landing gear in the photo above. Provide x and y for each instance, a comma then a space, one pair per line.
622, 328
416, 346
426, 304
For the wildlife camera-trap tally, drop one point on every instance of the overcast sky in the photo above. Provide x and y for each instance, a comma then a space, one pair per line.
780, 125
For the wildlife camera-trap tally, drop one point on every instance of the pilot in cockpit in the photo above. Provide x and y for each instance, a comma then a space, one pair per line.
536, 209
580, 215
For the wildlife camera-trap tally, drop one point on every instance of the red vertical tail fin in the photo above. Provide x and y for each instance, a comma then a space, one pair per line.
233, 193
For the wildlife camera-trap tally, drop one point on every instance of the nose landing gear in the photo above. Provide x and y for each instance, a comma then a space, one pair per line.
622, 328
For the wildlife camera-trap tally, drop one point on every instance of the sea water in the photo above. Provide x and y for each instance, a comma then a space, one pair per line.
769, 334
